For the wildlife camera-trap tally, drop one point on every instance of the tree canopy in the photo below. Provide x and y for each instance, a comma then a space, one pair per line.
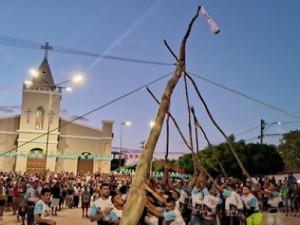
290, 148
258, 159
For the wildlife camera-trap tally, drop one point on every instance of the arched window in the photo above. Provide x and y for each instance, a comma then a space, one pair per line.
39, 120
36, 151
85, 156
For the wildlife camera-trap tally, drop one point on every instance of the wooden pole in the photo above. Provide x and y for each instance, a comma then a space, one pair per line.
137, 198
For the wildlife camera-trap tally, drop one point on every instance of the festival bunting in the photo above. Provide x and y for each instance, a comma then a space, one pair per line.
69, 155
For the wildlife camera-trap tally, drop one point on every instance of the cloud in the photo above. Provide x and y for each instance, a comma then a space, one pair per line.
82, 119
66, 113
5, 56
12, 109
3, 89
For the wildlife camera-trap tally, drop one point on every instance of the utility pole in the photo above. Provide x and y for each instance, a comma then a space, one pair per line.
126, 123
262, 127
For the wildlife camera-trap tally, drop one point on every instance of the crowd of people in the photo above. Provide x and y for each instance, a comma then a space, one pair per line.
37, 198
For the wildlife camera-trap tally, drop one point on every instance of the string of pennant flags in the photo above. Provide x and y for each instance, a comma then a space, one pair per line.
69, 155
58, 155
157, 174
176, 172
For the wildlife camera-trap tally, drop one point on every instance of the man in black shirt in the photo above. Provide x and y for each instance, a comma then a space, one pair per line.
55, 191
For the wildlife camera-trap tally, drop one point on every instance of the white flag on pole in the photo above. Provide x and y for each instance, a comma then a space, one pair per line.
212, 24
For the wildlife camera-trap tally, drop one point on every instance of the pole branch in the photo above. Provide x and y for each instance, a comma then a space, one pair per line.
219, 128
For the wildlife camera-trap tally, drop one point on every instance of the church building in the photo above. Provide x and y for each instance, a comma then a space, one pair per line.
39, 139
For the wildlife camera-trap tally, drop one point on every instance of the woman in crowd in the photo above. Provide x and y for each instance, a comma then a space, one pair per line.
2, 200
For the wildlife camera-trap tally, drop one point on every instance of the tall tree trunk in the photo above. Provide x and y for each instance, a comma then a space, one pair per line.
137, 198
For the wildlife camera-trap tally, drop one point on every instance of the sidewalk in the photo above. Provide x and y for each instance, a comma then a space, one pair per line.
65, 217
74, 217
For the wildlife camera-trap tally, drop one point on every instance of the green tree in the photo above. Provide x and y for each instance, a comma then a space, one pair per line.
290, 148
185, 162
157, 167
263, 159
256, 158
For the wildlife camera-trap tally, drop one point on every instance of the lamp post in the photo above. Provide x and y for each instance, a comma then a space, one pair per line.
126, 123
152, 123
74, 79
263, 129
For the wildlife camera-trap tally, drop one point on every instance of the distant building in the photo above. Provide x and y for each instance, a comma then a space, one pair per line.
71, 147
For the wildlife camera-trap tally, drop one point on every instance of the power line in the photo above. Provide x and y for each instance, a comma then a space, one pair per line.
21, 43
92, 111
246, 131
132, 151
137, 151
248, 97
251, 139
253, 128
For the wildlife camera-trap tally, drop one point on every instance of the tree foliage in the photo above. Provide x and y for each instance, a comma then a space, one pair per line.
156, 167
257, 159
185, 162
290, 148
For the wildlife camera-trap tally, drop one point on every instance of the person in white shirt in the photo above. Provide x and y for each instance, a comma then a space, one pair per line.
233, 205
42, 211
116, 213
102, 207
197, 204
31, 197
252, 211
210, 201
180, 189
273, 216
171, 216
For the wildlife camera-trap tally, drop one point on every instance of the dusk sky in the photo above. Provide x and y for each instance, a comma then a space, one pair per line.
257, 54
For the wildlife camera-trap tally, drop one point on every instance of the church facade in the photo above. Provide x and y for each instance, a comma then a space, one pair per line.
39, 139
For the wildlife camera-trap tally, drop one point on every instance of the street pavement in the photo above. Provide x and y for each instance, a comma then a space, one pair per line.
74, 217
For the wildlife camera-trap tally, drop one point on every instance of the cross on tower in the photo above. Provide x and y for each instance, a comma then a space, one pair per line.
51, 115
28, 111
47, 47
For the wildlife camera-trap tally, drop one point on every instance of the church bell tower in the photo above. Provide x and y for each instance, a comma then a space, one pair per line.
39, 121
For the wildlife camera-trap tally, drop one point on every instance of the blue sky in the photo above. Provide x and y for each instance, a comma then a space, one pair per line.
257, 53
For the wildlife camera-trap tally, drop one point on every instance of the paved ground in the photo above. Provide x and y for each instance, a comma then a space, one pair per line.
74, 217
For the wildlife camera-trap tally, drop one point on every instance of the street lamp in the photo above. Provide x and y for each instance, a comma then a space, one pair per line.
263, 129
126, 123
152, 123
77, 78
